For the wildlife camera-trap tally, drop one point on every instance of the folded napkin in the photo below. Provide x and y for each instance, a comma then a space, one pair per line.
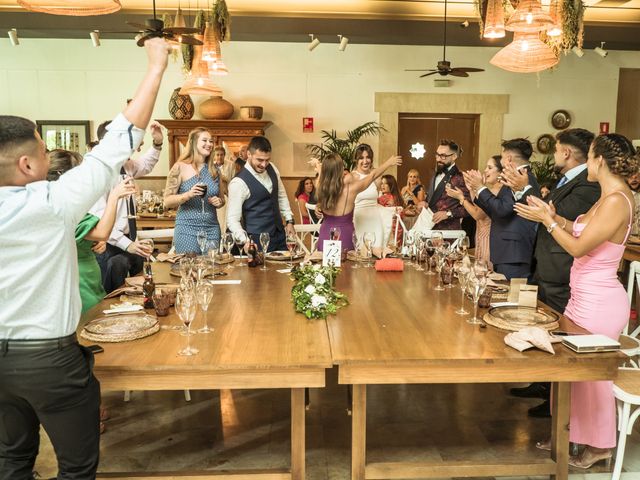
496, 277
225, 282
171, 258
530, 337
123, 309
126, 291
389, 265
380, 252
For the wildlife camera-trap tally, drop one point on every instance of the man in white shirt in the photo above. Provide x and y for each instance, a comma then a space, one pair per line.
257, 196
124, 254
45, 375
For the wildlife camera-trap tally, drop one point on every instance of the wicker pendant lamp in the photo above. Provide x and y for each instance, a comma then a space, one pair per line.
72, 7
209, 53
198, 81
179, 21
218, 67
526, 54
529, 18
556, 16
494, 23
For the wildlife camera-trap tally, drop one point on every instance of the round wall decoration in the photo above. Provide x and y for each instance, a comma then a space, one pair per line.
560, 119
545, 143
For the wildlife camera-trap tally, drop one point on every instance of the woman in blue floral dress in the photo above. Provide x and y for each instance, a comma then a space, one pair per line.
195, 186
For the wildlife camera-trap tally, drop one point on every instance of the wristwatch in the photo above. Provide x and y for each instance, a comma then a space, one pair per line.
290, 222
552, 227
449, 214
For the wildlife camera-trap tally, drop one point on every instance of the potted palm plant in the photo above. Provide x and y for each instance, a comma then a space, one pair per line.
345, 147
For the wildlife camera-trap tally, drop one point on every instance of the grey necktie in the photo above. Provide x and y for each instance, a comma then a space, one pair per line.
562, 181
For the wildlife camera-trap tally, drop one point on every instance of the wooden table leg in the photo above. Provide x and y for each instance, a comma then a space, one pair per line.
358, 432
297, 434
561, 402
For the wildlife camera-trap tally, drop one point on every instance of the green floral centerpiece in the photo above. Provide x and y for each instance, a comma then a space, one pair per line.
313, 293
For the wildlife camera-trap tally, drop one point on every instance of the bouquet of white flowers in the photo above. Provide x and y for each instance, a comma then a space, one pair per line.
313, 293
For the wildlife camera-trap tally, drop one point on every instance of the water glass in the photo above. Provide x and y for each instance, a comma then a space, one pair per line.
265, 238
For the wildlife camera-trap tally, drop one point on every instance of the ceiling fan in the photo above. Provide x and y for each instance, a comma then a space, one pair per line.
153, 27
444, 67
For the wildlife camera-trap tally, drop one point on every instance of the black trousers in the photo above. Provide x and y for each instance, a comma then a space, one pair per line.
556, 295
116, 265
54, 387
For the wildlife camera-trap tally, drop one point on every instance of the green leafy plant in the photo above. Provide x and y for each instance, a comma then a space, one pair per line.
221, 20
345, 147
313, 293
544, 170
187, 50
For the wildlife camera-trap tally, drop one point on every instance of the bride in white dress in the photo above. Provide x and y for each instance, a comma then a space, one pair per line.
368, 214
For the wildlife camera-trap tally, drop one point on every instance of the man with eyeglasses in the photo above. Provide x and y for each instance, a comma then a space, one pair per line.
447, 211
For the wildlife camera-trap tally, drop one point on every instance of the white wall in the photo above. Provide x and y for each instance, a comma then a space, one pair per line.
71, 80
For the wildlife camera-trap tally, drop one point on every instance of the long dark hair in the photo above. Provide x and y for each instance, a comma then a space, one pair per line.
394, 190
331, 181
301, 189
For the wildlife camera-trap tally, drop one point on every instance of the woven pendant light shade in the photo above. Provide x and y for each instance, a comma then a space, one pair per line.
526, 54
218, 67
209, 53
198, 81
494, 23
556, 15
76, 8
529, 18
179, 21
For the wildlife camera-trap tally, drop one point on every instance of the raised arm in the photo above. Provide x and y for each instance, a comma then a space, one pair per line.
78, 189
363, 183
103, 228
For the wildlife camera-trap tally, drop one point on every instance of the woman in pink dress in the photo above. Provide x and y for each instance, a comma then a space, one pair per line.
598, 301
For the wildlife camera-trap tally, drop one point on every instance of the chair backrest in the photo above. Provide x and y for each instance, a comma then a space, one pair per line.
304, 232
158, 233
311, 207
632, 281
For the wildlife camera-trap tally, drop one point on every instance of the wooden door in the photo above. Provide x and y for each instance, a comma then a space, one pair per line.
428, 129
628, 113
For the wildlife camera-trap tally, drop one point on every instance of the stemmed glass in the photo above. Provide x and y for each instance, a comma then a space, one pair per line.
441, 255
356, 249
149, 243
203, 186
369, 239
130, 199
212, 249
430, 250
408, 242
240, 238
437, 238
334, 233
463, 245
204, 294
265, 238
480, 268
186, 305
420, 242
292, 243
476, 285
201, 238
228, 245
462, 271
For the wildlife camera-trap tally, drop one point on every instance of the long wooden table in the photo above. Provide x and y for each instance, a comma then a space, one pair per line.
397, 330
256, 343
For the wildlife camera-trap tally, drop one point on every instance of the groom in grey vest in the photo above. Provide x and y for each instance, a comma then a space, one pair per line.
258, 198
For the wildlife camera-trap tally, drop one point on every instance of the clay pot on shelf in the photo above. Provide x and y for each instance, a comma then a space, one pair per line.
181, 106
251, 113
216, 108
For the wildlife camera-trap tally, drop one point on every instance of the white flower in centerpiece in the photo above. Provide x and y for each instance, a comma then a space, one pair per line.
320, 280
317, 266
310, 289
318, 300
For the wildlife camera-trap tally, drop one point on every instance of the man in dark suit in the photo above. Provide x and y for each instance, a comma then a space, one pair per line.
512, 237
572, 196
447, 211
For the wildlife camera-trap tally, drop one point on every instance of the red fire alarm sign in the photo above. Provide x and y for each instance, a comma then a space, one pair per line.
307, 125
604, 128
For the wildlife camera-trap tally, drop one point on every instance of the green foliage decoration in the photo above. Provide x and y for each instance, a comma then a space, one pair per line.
313, 293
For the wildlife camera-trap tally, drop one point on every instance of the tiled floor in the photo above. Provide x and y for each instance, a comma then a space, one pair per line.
160, 431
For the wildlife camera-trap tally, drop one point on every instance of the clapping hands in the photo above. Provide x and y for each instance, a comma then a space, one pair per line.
536, 210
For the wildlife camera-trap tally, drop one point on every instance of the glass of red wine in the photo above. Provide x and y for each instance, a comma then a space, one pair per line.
203, 187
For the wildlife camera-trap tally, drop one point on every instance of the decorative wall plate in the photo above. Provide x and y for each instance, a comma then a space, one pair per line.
560, 119
545, 143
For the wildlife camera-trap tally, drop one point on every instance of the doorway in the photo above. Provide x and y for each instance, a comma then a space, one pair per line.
428, 129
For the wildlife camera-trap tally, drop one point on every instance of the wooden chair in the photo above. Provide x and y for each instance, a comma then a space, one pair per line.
626, 389
308, 233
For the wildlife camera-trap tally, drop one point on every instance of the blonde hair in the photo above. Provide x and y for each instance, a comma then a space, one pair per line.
61, 161
189, 153
331, 181
413, 170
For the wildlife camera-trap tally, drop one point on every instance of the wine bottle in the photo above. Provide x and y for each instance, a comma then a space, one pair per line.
252, 252
148, 287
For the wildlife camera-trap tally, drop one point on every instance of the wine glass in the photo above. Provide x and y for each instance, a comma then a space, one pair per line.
437, 238
130, 199
240, 238
212, 249
420, 246
148, 242
481, 268
462, 271
204, 294
265, 238
203, 195
409, 239
463, 245
334, 233
356, 249
292, 243
201, 265
440, 256
430, 250
369, 239
184, 295
475, 286
201, 238
187, 311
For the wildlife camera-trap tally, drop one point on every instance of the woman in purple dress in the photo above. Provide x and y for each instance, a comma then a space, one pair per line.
337, 193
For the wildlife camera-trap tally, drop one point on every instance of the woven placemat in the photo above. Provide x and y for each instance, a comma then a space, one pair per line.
516, 318
120, 328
